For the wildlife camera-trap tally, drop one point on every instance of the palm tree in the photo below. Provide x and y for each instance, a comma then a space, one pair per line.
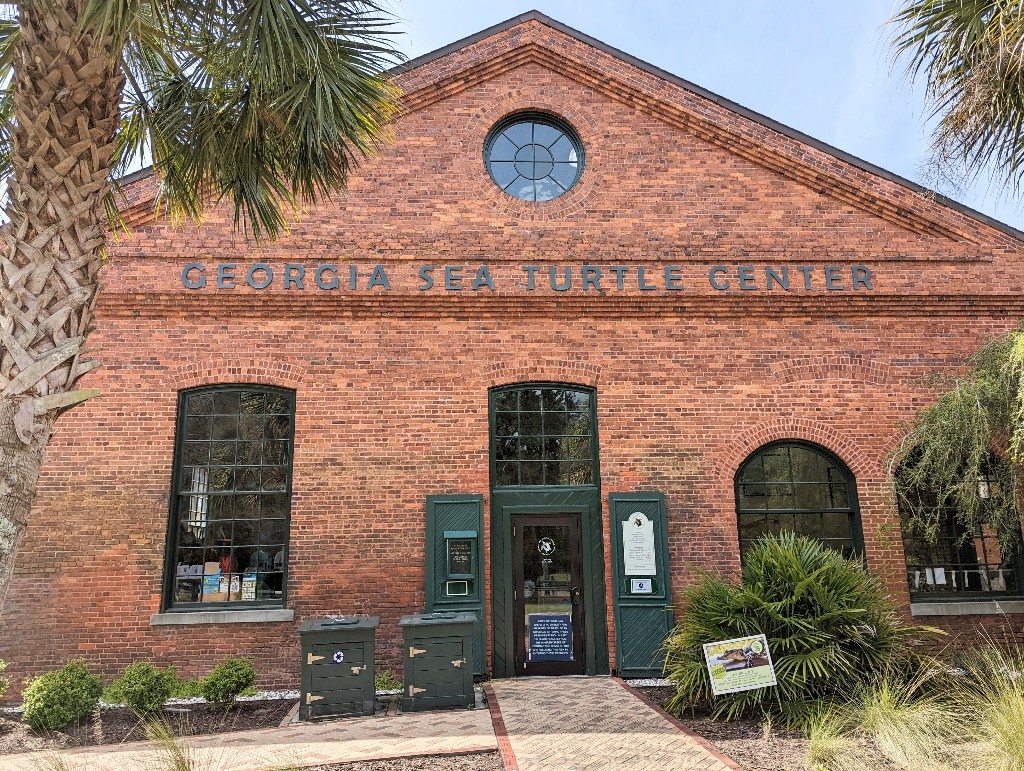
264, 103
970, 55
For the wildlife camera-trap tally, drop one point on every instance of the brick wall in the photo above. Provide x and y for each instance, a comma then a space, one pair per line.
391, 385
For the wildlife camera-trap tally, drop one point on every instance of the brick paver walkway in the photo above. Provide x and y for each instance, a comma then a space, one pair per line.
306, 744
594, 724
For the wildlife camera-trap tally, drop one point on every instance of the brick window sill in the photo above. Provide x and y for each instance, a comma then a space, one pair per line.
253, 616
975, 608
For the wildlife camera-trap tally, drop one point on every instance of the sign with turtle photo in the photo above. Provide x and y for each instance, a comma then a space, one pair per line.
742, 664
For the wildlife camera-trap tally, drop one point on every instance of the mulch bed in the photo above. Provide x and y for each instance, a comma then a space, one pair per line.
755, 745
122, 725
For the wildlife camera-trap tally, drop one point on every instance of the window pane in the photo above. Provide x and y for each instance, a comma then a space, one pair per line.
813, 496
753, 471
753, 497
799, 485
552, 434
776, 465
225, 460
506, 473
531, 473
226, 402
506, 401
198, 427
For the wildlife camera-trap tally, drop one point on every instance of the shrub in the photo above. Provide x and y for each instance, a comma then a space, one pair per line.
3, 681
188, 689
55, 699
385, 680
828, 623
227, 680
143, 687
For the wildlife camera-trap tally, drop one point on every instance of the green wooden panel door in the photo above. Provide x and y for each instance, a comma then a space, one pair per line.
641, 585
583, 503
454, 564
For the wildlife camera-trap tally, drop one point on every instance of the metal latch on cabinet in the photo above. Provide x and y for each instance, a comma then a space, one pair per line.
357, 670
458, 663
310, 698
413, 652
413, 690
311, 659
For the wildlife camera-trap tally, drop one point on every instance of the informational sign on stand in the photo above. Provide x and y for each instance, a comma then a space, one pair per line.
638, 546
550, 636
742, 664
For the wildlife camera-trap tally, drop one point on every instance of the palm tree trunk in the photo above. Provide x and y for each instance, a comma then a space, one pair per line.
67, 90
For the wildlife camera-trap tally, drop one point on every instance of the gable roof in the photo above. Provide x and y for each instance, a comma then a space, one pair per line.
916, 208
917, 220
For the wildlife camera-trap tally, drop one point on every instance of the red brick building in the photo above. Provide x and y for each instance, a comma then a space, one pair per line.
575, 289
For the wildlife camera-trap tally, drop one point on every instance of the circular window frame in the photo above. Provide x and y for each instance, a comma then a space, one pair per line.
552, 121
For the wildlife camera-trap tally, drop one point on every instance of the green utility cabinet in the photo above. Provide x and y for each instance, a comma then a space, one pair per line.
337, 666
438, 661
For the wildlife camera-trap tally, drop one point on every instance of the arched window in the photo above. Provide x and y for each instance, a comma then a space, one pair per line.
801, 488
230, 506
543, 434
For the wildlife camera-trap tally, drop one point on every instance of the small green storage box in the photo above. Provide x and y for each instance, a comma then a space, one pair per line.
337, 667
438, 661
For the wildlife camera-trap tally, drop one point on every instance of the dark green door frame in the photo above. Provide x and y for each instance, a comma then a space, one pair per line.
584, 500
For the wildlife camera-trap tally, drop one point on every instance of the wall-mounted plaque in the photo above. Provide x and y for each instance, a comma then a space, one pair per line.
641, 586
638, 545
460, 557
456, 588
549, 637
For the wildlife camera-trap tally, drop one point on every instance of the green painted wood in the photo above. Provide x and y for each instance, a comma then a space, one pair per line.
584, 501
330, 688
438, 661
642, 621
458, 513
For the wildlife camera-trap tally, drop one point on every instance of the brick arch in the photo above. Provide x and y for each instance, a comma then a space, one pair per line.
278, 373
531, 100
543, 371
858, 368
802, 429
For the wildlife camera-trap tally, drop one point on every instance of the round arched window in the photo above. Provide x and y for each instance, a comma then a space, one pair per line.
799, 488
533, 157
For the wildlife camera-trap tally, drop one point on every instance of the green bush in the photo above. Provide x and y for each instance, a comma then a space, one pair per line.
385, 680
828, 623
3, 681
143, 687
55, 699
188, 689
227, 680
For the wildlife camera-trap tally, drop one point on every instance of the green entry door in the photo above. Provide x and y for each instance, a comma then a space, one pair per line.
547, 575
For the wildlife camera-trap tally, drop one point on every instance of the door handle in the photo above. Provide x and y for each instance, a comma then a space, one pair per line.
575, 594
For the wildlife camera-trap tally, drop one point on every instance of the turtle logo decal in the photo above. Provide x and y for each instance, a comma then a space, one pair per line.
546, 546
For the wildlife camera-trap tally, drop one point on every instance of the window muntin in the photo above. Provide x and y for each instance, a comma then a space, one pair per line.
231, 503
543, 435
533, 157
957, 564
797, 487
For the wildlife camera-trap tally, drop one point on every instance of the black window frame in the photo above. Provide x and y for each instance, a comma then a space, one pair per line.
957, 539
496, 392
168, 602
852, 509
544, 119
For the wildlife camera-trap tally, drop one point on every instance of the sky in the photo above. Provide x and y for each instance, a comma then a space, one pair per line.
821, 67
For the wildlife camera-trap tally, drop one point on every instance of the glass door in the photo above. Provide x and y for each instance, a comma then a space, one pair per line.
548, 597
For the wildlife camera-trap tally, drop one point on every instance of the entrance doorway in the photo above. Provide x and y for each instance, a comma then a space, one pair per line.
548, 605
547, 573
